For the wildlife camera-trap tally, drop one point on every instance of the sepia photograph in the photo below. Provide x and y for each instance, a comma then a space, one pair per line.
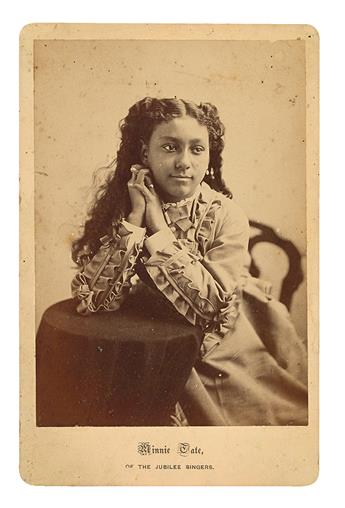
169, 233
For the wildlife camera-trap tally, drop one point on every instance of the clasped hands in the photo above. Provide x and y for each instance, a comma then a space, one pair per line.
146, 205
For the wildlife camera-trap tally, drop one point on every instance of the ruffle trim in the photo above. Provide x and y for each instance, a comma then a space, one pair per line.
207, 223
187, 285
228, 314
171, 293
170, 277
182, 202
95, 287
198, 231
194, 306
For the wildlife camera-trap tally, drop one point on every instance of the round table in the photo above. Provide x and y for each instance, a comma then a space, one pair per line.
127, 367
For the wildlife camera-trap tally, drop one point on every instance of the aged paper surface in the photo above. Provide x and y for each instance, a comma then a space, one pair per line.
77, 82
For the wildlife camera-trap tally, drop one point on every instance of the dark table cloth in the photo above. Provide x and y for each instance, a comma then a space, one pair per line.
127, 367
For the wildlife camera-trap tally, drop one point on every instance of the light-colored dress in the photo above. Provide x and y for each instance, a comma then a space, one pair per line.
252, 362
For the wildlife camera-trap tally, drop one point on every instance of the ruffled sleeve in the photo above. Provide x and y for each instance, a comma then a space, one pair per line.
104, 281
203, 285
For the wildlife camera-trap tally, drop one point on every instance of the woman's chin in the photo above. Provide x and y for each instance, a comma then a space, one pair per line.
177, 193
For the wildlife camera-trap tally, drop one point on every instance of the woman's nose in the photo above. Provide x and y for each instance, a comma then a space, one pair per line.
182, 160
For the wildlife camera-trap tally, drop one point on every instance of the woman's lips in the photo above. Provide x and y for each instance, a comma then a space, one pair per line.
179, 177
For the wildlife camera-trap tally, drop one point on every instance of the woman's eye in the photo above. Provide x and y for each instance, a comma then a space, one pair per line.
198, 149
169, 147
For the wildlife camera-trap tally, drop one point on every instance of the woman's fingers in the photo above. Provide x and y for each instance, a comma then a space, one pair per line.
268, 288
141, 175
148, 180
149, 184
143, 189
141, 180
133, 177
138, 174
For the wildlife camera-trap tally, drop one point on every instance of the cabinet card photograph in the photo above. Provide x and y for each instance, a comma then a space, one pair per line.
169, 236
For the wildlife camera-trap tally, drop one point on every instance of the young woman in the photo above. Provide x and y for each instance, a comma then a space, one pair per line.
165, 214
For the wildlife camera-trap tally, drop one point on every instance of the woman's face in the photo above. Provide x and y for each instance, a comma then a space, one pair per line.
178, 156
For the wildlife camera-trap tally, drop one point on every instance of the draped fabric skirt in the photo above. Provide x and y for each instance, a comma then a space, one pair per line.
257, 374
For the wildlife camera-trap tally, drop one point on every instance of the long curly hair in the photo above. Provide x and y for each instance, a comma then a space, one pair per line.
112, 202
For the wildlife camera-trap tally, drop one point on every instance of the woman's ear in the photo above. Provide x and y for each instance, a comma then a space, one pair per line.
144, 152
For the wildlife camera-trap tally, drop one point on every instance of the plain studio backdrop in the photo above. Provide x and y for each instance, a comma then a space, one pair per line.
84, 88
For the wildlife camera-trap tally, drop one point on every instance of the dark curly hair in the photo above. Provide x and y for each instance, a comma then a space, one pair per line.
112, 202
